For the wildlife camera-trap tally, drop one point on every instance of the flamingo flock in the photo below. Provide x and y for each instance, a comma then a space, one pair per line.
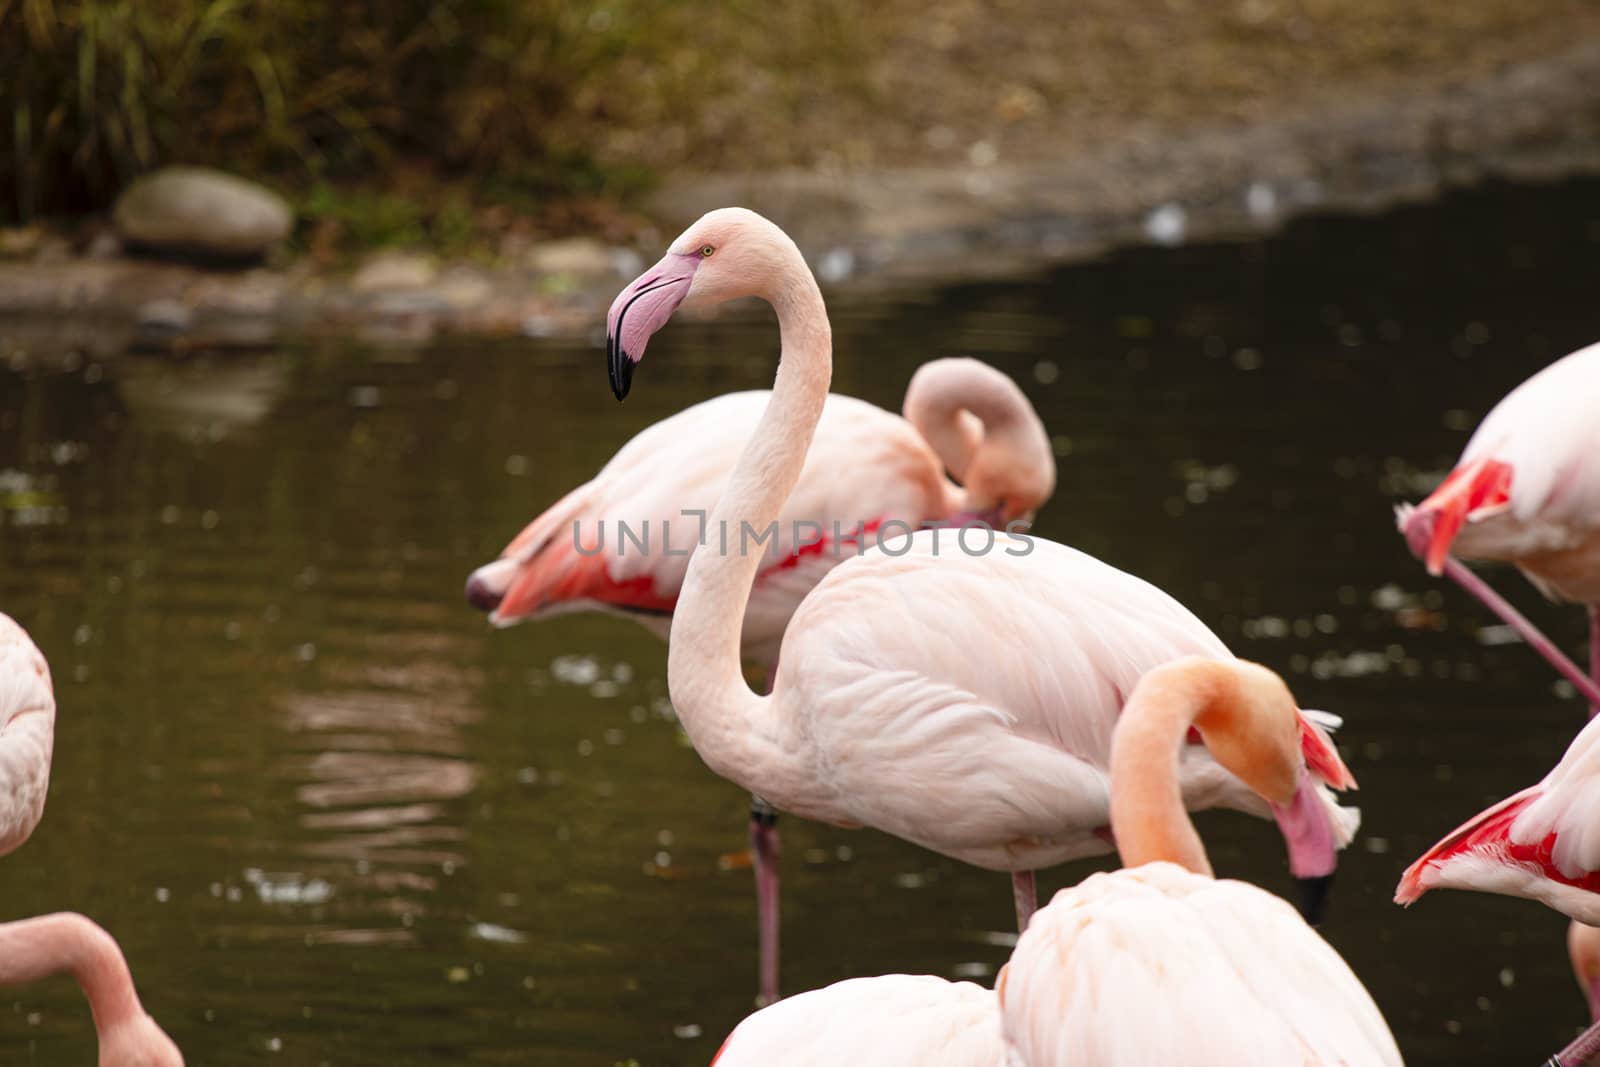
1026, 704
938, 672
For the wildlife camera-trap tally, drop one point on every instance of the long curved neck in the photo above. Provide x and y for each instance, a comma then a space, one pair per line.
735, 731
962, 407
31, 949
1148, 820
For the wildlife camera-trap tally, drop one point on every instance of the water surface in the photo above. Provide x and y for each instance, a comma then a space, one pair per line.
334, 819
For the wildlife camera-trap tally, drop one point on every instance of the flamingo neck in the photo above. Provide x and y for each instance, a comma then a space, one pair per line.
1148, 820
734, 730
31, 949
963, 408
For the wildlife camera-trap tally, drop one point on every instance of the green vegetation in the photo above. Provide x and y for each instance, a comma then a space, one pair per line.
397, 121
312, 91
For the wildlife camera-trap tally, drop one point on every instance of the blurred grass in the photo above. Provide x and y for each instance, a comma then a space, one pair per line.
97, 91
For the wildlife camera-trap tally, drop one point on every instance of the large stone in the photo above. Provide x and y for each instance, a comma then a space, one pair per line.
195, 209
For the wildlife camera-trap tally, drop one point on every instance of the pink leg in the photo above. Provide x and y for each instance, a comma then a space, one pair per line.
1588, 687
764, 848
1025, 892
1584, 1050
1594, 655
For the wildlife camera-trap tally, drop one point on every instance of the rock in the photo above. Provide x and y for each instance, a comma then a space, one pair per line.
388, 271
198, 210
575, 255
164, 315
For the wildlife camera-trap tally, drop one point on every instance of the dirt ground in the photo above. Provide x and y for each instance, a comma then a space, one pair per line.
938, 82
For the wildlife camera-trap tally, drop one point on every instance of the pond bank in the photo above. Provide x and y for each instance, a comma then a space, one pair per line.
1532, 120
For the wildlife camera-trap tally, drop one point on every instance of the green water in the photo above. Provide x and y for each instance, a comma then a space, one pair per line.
334, 819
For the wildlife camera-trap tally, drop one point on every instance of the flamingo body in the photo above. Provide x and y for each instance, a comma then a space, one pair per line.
1527, 488
895, 1020
871, 471
27, 734
1543, 843
1156, 964
999, 758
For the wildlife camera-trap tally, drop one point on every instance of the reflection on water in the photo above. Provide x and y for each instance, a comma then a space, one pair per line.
335, 819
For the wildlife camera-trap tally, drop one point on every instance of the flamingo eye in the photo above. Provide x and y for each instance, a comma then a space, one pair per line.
705, 251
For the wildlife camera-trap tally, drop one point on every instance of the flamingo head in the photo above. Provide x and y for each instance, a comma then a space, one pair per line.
729, 253
1252, 727
1005, 484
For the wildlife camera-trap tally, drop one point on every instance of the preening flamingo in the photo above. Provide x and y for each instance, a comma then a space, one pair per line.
1527, 491
894, 1020
872, 469
1159, 962
952, 690
36, 948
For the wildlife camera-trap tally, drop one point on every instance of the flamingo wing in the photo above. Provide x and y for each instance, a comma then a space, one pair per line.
1159, 965
623, 539
1525, 484
1543, 843
896, 1020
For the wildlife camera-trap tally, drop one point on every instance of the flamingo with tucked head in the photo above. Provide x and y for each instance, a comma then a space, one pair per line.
959, 692
36, 948
1161, 963
872, 470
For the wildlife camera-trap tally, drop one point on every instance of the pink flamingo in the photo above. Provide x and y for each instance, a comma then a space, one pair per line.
1527, 491
954, 691
872, 470
36, 948
1160, 963
1540, 844
1158, 940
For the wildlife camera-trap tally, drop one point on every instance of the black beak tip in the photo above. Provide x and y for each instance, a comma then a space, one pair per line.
621, 368
480, 596
1314, 897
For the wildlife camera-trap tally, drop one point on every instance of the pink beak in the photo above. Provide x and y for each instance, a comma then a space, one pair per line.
640, 310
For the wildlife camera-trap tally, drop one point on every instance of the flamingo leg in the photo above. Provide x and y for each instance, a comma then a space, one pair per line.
1587, 686
1584, 1050
1025, 891
764, 849
1594, 655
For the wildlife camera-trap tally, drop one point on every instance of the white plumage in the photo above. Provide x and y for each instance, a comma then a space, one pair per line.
896, 1020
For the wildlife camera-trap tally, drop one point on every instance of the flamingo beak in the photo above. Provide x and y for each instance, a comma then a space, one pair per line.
991, 517
1314, 898
640, 310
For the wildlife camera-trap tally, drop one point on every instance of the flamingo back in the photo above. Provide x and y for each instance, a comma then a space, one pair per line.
896, 1020
1156, 964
